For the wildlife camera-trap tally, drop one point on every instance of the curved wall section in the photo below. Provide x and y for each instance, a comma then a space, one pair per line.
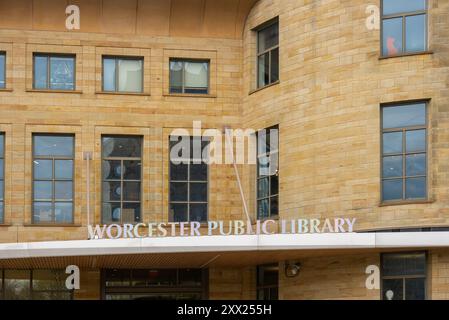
178, 18
327, 104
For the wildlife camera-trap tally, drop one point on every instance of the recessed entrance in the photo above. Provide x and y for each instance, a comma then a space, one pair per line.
154, 284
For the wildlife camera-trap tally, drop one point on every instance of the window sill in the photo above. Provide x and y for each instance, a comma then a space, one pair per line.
46, 225
405, 202
6, 90
264, 87
5, 225
142, 94
190, 95
262, 220
410, 54
54, 91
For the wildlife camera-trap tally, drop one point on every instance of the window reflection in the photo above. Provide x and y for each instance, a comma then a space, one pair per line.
122, 74
189, 76
53, 178
268, 54
189, 184
2, 177
34, 284
267, 172
154, 284
122, 174
267, 282
404, 25
2, 70
55, 72
404, 161
404, 276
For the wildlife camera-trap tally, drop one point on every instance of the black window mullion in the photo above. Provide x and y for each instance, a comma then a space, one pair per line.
53, 189
404, 163
183, 84
269, 66
188, 191
403, 289
121, 190
116, 80
48, 72
404, 41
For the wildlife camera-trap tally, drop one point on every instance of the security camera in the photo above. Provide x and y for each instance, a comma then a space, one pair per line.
292, 269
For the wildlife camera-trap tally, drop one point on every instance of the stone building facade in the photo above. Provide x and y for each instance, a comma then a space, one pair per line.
333, 83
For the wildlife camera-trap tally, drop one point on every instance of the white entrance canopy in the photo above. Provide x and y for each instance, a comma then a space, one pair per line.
333, 242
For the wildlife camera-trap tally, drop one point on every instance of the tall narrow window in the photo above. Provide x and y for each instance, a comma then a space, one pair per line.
404, 152
188, 180
404, 26
268, 282
189, 76
2, 70
123, 74
53, 178
404, 276
122, 176
268, 54
54, 72
2, 178
268, 173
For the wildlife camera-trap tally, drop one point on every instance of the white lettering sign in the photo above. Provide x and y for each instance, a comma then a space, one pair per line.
224, 228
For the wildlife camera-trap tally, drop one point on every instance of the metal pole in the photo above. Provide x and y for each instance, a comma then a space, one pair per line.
88, 157
242, 195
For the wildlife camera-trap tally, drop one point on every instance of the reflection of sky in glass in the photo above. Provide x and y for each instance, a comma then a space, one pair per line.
415, 37
109, 74
392, 36
403, 116
2, 70
415, 140
392, 167
392, 142
62, 73
392, 190
40, 72
415, 164
402, 6
415, 188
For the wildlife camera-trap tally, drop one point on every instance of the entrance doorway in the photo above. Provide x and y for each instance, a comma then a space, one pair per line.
154, 284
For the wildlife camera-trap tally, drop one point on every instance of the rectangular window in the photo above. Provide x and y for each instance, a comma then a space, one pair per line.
404, 26
53, 171
123, 74
268, 54
188, 180
54, 72
404, 152
122, 177
154, 284
2, 70
404, 276
268, 173
2, 178
268, 282
34, 284
189, 76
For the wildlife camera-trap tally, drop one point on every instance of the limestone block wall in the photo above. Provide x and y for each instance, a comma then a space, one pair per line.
88, 113
327, 104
